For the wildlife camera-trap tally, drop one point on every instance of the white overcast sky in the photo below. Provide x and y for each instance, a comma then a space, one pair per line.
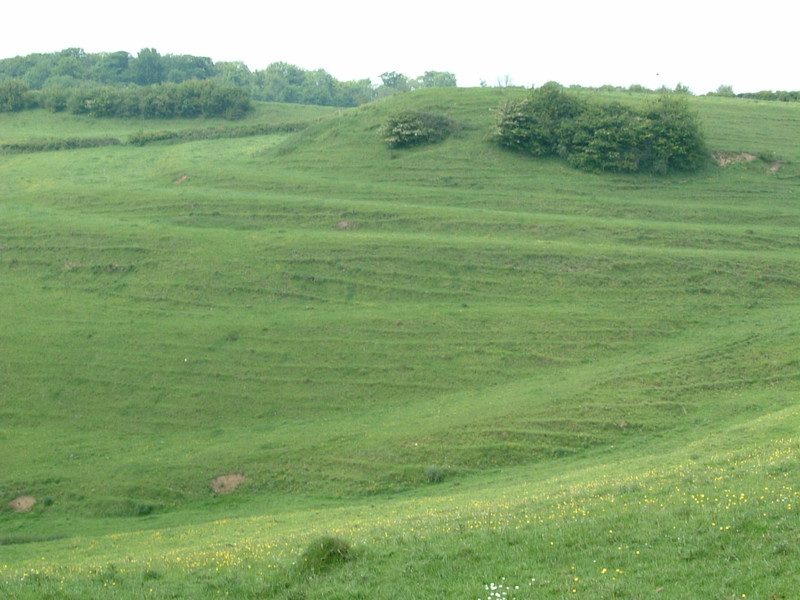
701, 44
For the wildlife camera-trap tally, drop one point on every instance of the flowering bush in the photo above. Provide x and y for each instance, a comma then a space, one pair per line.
415, 128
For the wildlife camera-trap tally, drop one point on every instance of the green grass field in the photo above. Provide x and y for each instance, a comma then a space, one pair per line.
491, 376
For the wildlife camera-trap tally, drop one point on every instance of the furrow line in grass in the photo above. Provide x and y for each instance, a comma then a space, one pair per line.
718, 384
518, 217
566, 248
454, 243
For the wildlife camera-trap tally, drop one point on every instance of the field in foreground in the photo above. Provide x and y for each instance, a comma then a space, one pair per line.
469, 365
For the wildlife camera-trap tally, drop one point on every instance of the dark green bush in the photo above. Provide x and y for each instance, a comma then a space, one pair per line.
103, 101
662, 137
535, 124
411, 128
54, 98
13, 95
517, 128
604, 138
673, 140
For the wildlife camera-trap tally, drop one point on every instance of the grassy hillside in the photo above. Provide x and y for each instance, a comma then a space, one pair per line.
468, 364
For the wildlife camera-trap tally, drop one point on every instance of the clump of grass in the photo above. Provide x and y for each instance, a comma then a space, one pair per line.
324, 553
435, 475
768, 156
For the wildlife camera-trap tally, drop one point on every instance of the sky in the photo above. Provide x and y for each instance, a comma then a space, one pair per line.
701, 44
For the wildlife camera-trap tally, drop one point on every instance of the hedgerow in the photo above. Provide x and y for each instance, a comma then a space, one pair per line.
49, 144
142, 138
188, 99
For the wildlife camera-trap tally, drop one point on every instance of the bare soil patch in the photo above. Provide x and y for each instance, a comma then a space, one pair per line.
725, 159
23, 503
225, 484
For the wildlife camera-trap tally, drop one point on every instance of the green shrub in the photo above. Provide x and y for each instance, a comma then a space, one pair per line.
517, 128
769, 156
103, 101
535, 124
412, 128
54, 98
13, 95
325, 552
662, 137
672, 140
604, 138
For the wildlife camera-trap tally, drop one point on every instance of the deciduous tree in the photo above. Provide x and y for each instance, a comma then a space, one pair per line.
12, 95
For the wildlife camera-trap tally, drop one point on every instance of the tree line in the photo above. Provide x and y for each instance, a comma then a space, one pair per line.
191, 98
57, 75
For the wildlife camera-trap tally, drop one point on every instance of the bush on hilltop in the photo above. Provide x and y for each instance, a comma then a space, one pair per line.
662, 137
413, 128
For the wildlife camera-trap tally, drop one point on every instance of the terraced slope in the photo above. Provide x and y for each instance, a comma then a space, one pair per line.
382, 341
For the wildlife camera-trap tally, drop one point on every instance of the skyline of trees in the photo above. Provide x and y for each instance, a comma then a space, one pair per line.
56, 75
278, 82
